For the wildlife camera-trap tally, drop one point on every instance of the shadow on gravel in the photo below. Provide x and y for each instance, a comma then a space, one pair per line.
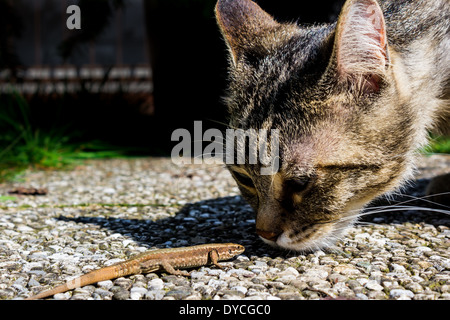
230, 219
220, 220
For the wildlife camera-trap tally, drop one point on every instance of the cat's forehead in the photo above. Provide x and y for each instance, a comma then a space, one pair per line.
302, 53
301, 153
280, 83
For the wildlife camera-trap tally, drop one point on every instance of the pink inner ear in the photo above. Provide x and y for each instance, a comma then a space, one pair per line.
361, 42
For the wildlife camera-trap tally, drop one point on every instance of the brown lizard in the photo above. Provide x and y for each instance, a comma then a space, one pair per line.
154, 260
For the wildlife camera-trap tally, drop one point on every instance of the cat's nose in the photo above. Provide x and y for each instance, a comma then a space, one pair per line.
269, 235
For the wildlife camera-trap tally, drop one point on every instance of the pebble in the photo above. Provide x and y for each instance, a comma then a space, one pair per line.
398, 268
23, 228
373, 285
109, 191
243, 290
156, 284
137, 293
400, 294
346, 270
122, 295
107, 284
61, 296
290, 271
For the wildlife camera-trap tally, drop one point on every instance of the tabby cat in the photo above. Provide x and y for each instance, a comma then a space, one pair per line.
352, 102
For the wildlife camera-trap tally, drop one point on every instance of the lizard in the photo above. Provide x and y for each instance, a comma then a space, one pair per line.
154, 260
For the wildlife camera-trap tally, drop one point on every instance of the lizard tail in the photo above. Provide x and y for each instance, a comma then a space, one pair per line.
107, 273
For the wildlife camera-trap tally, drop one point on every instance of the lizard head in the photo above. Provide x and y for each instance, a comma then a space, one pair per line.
230, 250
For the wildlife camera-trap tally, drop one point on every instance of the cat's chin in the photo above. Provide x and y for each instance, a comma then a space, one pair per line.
325, 236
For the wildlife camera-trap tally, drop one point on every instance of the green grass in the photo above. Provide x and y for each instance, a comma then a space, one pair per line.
7, 198
24, 144
439, 145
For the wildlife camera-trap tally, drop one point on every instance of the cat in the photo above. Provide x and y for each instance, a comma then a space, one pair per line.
352, 101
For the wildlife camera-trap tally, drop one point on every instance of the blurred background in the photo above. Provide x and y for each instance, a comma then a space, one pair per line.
136, 71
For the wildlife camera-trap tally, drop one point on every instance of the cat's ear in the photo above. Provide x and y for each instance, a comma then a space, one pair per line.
361, 49
240, 22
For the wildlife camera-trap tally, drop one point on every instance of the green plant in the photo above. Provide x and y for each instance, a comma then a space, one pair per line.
439, 144
25, 144
7, 198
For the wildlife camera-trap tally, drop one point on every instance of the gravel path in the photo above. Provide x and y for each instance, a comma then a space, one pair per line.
107, 211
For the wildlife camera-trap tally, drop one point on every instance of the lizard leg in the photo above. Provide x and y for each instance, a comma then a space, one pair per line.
214, 258
167, 266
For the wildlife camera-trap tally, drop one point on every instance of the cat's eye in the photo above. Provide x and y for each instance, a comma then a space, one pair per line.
243, 179
298, 184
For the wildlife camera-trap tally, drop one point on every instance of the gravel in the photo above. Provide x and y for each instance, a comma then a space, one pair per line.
106, 211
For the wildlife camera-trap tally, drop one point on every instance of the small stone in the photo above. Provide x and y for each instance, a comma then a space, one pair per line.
61, 296
401, 294
108, 284
127, 242
102, 293
287, 279
328, 261
397, 268
376, 295
155, 295
424, 264
275, 284
24, 228
122, 295
422, 249
336, 277
299, 284
364, 264
353, 284
290, 296
346, 270
243, 290
362, 281
373, 285
414, 287
217, 284
389, 284
109, 191
315, 273
156, 284
136, 293
362, 296
290, 271
231, 294
445, 288
33, 283
178, 294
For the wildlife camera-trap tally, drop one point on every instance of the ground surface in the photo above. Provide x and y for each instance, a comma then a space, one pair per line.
107, 211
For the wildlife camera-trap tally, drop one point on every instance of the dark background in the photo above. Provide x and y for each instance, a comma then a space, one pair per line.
178, 39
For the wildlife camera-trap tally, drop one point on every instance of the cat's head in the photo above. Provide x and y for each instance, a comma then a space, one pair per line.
334, 98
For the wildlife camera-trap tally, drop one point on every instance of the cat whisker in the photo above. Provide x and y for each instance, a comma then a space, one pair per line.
424, 198
383, 209
392, 209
